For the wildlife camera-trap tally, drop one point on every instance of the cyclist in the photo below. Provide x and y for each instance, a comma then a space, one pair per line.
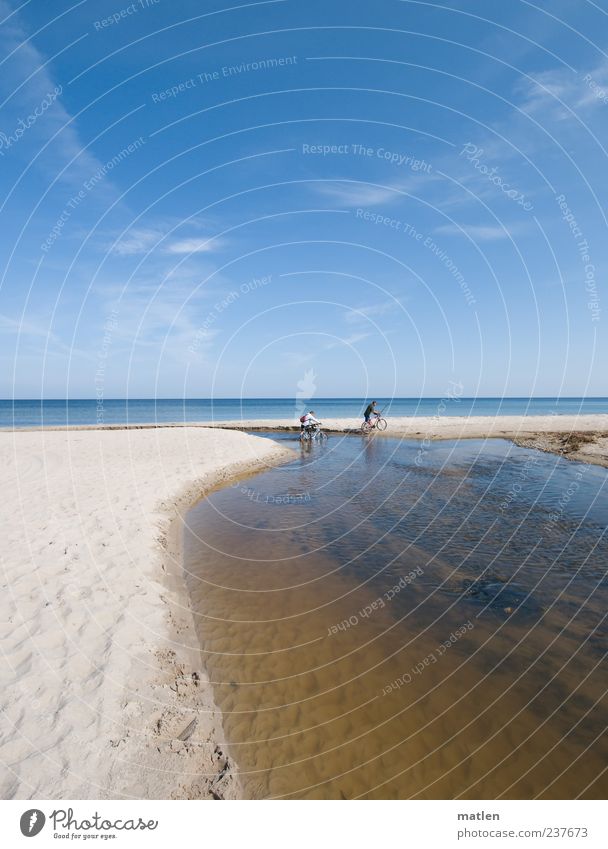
370, 411
308, 420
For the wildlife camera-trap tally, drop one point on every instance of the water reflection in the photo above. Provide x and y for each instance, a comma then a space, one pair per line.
383, 624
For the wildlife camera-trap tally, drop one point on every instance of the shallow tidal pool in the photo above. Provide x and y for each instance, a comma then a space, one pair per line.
382, 620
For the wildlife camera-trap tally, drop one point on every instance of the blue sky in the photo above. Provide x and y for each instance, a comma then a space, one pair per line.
372, 198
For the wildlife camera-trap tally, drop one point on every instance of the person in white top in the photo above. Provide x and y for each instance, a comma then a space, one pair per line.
308, 420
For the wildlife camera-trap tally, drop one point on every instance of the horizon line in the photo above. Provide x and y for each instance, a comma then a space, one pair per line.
326, 398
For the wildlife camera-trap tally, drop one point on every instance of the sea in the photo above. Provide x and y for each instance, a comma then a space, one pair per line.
54, 412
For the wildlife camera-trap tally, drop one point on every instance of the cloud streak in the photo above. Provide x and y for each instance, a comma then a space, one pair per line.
558, 93
143, 240
353, 193
348, 341
365, 313
192, 246
480, 232
25, 83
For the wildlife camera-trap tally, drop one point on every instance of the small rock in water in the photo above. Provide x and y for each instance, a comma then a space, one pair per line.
495, 593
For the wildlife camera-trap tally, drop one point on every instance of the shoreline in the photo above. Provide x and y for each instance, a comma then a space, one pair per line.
101, 651
105, 693
226, 783
582, 438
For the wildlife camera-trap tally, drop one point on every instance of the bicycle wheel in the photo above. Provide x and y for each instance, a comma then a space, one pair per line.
322, 436
366, 427
305, 436
381, 424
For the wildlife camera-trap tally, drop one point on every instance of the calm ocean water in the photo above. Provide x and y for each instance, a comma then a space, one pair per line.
137, 411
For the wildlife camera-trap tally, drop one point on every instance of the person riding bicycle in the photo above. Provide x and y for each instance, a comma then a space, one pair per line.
370, 411
308, 420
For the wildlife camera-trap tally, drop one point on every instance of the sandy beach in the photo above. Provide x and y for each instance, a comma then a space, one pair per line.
100, 652
583, 438
103, 692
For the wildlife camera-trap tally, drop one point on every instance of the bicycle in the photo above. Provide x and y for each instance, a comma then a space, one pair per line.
377, 422
312, 432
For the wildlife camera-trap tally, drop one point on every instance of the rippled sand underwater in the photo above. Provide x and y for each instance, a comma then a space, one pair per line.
384, 621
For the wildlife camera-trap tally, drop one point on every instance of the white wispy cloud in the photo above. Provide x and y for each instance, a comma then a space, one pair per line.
480, 232
23, 327
560, 93
136, 241
163, 320
353, 339
143, 240
363, 313
360, 194
552, 104
35, 328
25, 82
192, 246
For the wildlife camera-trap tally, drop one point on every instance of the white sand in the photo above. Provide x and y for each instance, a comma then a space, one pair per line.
562, 432
556, 434
101, 673
100, 670
440, 426
445, 427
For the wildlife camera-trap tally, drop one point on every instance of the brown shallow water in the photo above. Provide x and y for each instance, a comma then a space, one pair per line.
379, 622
